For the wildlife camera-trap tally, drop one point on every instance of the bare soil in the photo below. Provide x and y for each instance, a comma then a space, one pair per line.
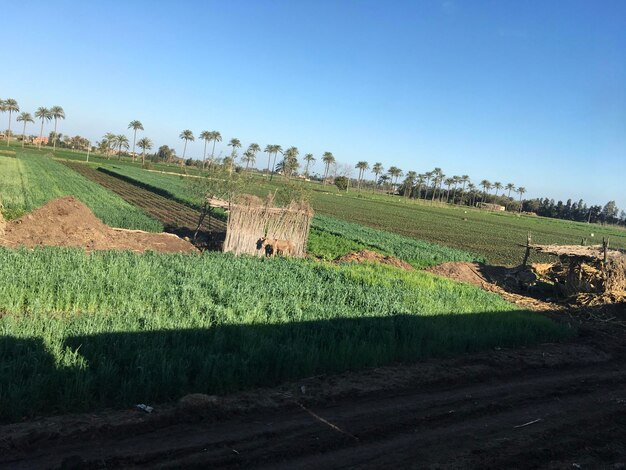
367, 256
68, 222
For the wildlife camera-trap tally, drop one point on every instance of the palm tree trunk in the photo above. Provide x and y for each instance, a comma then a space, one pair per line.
182, 161
143, 157
40, 135
9, 131
134, 139
213, 150
54, 142
204, 158
24, 134
273, 166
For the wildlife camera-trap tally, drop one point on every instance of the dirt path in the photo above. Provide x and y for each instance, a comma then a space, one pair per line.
176, 217
553, 406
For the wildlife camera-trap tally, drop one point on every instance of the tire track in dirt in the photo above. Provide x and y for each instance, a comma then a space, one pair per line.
175, 216
551, 406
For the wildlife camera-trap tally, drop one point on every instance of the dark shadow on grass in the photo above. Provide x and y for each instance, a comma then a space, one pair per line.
123, 369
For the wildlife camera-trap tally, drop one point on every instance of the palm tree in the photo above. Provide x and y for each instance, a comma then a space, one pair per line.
206, 136
510, 187
457, 180
308, 158
394, 172
362, 167
290, 162
25, 118
122, 142
448, 182
144, 144
421, 178
486, 185
437, 176
409, 181
45, 115
471, 187
109, 138
185, 135
275, 150
328, 158
464, 179
235, 144
57, 113
248, 157
384, 179
377, 169
11, 106
215, 137
521, 190
428, 175
498, 186
135, 126
254, 149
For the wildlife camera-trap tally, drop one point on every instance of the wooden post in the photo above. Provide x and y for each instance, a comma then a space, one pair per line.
605, 248
527, 254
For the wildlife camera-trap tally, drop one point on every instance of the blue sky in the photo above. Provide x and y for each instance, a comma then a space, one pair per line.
532, 92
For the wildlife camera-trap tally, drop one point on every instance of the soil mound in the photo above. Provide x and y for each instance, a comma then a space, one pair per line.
68, 222
508, 283
365, 256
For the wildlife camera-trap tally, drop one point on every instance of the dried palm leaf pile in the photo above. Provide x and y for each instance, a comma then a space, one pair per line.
594, 274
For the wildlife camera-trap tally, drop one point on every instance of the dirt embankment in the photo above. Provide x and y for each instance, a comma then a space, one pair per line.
68, 222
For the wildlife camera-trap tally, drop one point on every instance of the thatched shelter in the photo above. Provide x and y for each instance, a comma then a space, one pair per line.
251, 219
586, 269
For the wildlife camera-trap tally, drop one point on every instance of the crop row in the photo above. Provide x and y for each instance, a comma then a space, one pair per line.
116, 328
30, 181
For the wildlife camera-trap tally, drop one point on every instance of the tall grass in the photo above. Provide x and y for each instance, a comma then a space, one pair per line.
29, 181
115, 328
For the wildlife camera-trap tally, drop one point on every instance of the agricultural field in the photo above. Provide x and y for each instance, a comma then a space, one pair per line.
29, 181
112, 329
493, 236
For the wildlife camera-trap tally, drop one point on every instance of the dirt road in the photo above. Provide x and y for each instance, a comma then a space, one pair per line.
553, 406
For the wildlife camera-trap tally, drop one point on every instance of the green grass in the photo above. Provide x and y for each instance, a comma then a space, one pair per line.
112, 329
29, 181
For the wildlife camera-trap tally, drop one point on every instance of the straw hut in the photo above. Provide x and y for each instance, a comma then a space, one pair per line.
251, 219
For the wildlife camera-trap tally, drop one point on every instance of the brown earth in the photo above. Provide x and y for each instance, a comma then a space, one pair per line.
552, 406
367, 256
68, 222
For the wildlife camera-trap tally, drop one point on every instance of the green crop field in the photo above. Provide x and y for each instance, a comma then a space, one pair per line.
494, 236
31, 180
113, 329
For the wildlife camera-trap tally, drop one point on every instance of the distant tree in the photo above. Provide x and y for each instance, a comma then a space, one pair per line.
109, 138
57, 113
342, 183
498, 186
144, 144
486, 185
383, 181
235, 144
308, 158
25, 118
420, 180
122, 144
362, 166
407, 184
9, 106
395, 173
290, 161
187, 136
215, 137
377, 169
206, 136
448, 182
510, 187
272, 149
135, 126
471, 187
248, 158
165, 153
521, 190
45, 115
328, 158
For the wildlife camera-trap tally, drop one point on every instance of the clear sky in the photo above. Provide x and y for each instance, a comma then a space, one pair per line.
528, 92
